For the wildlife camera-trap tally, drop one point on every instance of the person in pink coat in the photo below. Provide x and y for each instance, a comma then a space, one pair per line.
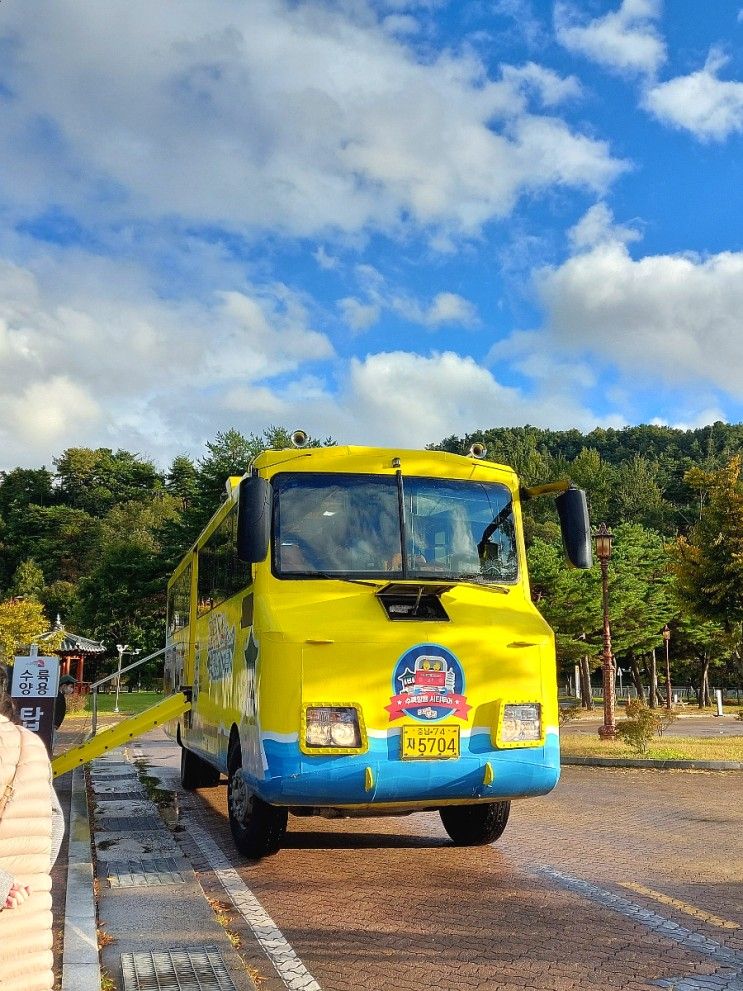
31, 829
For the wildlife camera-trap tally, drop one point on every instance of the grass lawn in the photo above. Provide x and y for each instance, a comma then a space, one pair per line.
662, 748
129, 704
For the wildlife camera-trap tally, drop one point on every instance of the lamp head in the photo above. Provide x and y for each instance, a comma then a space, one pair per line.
603, 537
477, 450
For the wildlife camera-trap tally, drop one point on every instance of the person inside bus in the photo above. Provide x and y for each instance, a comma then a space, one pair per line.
339, 533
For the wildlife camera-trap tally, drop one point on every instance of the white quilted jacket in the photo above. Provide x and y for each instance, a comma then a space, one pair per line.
25, 854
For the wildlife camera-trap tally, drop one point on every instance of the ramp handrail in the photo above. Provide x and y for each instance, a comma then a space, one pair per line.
113, 737
109, 677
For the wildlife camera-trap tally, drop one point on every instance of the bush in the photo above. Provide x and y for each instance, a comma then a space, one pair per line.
634, 707
665, 718
639, 731
740, 715
643, 723
76, 703
567, 713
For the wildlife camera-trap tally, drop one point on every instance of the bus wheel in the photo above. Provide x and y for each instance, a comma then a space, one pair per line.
195, 772
258, 828
475, 825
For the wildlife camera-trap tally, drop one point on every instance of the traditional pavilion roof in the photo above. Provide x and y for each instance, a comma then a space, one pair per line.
72, 643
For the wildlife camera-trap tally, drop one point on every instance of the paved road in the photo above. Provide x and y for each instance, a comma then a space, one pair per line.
619, 879
686, 725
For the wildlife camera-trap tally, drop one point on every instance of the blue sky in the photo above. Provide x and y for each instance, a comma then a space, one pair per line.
383, 220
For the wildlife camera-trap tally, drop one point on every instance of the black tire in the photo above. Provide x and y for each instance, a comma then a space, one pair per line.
475, 825
258, 828
195, 772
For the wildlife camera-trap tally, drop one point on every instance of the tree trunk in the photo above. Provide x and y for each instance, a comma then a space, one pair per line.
636, 676
586, 695
704, 696
653, 680
652, 671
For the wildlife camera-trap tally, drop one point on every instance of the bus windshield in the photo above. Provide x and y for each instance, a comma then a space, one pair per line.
392, 527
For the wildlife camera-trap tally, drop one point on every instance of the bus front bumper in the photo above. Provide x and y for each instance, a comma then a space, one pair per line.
373, 778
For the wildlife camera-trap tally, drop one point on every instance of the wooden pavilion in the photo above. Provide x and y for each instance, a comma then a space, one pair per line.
73, 652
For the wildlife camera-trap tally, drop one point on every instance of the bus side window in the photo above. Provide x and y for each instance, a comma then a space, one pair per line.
220, 572
179, 601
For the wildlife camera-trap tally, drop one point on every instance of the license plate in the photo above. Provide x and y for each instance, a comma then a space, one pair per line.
429, 742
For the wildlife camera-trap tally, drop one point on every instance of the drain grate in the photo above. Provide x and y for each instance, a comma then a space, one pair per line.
120, 824
120, 796
176, 970
113, 775
147, 873
112, 846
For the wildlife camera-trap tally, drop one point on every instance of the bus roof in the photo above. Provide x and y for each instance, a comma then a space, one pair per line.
379, 460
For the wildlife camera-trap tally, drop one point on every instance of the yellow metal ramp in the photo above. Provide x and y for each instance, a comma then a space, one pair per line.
112, 737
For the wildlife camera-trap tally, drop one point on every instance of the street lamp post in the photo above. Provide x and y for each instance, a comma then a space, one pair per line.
122, 649
603, 537
667, 639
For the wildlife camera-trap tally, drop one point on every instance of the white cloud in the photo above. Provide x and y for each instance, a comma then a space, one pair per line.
625, 40
444, 309
159, 376
357, 315
525, 352
708, 107
674, 319
43, 414
597, 226
450, 307
401, 24
711, 414
324, 260
94, 356
399, 397
525, 22
414, 398
551, 88
300, 118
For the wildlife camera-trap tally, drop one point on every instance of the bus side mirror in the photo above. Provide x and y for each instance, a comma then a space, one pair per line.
253, 519
572, 509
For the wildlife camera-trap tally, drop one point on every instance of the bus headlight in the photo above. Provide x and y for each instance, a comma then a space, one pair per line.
332, 728
318, 734
520, 723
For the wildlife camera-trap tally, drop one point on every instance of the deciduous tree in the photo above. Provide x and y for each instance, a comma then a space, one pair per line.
22, 621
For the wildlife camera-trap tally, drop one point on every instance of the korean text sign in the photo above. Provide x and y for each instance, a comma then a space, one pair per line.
34, 689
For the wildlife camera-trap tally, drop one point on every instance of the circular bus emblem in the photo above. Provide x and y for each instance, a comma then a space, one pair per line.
428, 684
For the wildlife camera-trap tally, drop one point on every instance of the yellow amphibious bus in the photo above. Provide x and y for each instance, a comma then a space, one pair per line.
355, 630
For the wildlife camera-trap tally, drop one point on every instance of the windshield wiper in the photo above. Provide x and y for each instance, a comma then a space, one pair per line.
481, 582
337, 578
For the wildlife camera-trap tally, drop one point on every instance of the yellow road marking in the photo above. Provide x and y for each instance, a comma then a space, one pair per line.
697, 913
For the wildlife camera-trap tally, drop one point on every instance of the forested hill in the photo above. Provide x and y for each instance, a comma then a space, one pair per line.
636, 473
720, 440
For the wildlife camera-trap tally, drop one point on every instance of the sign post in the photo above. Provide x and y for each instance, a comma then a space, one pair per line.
34, 690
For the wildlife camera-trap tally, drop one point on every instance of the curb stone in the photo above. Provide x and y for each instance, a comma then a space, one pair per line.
80, 961
661, 765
